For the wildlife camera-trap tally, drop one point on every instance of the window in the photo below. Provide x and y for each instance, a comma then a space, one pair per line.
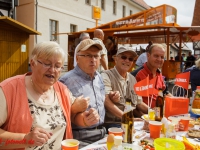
131, 12
73, 28
103, 4
114, 7
53, 26
123, 11
88, 2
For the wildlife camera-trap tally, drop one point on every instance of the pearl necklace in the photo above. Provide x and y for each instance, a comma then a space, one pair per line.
43, 95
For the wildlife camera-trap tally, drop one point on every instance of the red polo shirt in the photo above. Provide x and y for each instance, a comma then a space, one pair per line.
141, 73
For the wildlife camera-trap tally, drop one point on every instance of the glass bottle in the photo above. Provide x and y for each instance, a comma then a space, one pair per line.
196, 101
159, 106
117, 143
127, 122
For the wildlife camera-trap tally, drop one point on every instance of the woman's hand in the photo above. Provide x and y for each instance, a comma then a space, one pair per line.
39, 137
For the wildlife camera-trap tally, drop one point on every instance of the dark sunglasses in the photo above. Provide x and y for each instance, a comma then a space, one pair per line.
125, 57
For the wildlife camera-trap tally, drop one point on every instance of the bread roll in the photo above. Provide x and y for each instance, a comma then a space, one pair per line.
194, 133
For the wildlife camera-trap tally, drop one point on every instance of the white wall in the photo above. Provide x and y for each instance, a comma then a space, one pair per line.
67, 12
76, 12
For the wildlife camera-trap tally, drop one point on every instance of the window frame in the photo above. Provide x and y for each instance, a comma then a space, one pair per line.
103, 4
88, 2
114, 7
74, 28
131, 12
123, 11
53, 28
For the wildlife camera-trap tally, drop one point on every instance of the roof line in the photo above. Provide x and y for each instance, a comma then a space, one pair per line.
139, 4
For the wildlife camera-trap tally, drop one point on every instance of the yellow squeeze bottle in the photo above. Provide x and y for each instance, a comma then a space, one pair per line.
110, 141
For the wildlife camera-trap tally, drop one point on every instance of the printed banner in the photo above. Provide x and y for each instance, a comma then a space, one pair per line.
142, 87
152, 89
182, 80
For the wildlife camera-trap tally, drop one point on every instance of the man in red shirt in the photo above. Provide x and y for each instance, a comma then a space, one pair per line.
155, 60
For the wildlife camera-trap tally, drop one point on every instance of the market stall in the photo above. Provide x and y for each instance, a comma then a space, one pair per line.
156, 24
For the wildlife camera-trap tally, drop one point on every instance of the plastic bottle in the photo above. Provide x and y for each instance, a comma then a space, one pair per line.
117, 143
127, 122
175, 121
171, 133
165, 124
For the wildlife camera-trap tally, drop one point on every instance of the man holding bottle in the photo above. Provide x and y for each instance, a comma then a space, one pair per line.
119, 87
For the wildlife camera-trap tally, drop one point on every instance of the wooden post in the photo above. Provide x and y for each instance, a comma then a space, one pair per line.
96, 22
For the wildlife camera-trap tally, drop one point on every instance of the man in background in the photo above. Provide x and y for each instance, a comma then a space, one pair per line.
143, 57
141, 60
82, 37
99, 37
180, 60
148, 46
190, 61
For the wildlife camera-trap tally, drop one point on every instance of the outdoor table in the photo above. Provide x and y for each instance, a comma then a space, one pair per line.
138, 127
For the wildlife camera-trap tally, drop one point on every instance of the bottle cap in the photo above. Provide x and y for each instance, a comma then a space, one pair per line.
118, 140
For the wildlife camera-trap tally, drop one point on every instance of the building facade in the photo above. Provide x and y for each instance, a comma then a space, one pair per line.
55, 18
196, 22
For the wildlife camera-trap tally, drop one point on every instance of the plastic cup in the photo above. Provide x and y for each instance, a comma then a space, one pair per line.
151, 114
175, 121
185, 123
115, 131
155, 128
70, 144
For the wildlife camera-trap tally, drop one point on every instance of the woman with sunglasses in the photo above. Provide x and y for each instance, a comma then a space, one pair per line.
35, 108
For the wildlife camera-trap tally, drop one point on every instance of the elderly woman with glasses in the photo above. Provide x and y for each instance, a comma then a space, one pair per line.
35, 109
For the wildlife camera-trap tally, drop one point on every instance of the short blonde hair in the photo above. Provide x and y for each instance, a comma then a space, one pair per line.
46, 50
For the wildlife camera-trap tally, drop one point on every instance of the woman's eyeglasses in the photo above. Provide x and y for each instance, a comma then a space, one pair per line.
125, 57
48, 66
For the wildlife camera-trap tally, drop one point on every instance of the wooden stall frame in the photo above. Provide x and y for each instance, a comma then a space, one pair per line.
156, 24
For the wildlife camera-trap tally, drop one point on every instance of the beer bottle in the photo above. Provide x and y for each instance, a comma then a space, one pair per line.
127, 122
159, 106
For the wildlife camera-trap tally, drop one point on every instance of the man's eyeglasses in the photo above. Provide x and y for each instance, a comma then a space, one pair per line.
125, 57
48, 66
89, 56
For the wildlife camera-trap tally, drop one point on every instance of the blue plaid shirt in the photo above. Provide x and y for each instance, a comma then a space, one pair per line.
80, 83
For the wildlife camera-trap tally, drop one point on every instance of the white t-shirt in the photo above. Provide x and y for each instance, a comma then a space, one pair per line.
141, 59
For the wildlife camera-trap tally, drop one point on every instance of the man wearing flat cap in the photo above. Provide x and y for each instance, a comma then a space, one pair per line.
119, 86
86, 81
